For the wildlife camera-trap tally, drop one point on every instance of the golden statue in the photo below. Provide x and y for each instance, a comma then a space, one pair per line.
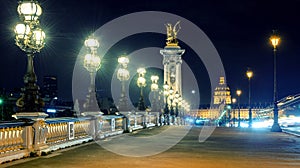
172, 33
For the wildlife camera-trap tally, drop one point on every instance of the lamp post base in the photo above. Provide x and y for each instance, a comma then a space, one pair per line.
276, 128
141, 104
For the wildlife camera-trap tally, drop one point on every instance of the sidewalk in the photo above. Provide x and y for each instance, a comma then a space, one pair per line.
226, 147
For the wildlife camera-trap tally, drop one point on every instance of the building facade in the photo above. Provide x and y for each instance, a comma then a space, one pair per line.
222, 93
221, 96
49, 87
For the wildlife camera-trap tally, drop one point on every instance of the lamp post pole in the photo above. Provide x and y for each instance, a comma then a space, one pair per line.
275, 39
239, 92
249, 74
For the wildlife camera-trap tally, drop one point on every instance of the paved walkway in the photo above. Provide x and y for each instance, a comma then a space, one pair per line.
226, 147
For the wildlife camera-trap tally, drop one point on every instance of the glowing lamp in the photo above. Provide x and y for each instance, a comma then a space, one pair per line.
29, 10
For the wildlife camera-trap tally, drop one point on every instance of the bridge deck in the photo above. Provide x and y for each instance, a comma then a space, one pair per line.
226, 147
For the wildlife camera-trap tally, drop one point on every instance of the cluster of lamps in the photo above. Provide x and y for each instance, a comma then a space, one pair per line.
173, 100
92, 63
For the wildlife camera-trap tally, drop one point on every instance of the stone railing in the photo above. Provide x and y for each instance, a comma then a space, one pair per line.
35, 137
139, 120
11, 138
13, 141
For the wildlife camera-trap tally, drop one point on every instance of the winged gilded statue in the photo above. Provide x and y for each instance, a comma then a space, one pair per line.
172, 32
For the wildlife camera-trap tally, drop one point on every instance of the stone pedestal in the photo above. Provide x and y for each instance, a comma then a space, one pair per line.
95, 123
123, 104
126, 121
37, 131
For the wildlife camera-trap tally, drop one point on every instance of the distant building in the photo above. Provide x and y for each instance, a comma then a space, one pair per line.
222, 93
222, 96
49, 90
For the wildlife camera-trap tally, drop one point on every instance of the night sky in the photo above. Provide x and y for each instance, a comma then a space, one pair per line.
238, 29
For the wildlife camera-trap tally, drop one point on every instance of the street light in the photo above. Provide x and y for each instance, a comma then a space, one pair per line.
166, 110
275, 39
123, 75
141, 82
239, 92
154, 90
30, 38
177, 103
171, 98
92, 65
154, 85
179, 111
249, 74
233, 102
177, 97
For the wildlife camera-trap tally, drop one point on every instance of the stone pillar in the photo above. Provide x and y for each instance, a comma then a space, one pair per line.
113, 124
172, 66
40, 131
35, 134
95, 125
28, 135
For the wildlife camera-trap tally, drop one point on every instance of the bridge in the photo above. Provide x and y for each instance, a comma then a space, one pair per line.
288, 106
226, 147
56, 144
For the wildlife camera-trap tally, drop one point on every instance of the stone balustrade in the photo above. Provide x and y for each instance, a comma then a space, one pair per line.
11, 139
20, 139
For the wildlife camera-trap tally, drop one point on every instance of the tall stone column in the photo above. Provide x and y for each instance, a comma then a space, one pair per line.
172, 66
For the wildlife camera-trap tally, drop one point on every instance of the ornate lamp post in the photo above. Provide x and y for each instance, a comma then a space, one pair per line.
92, 64
123, 75
166, 110
183, 112
249, 74
30, 38
275, 39
187, 109
154, 90
177, 103
141, 82
239, 92
154, 85
177, 100
171, 99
